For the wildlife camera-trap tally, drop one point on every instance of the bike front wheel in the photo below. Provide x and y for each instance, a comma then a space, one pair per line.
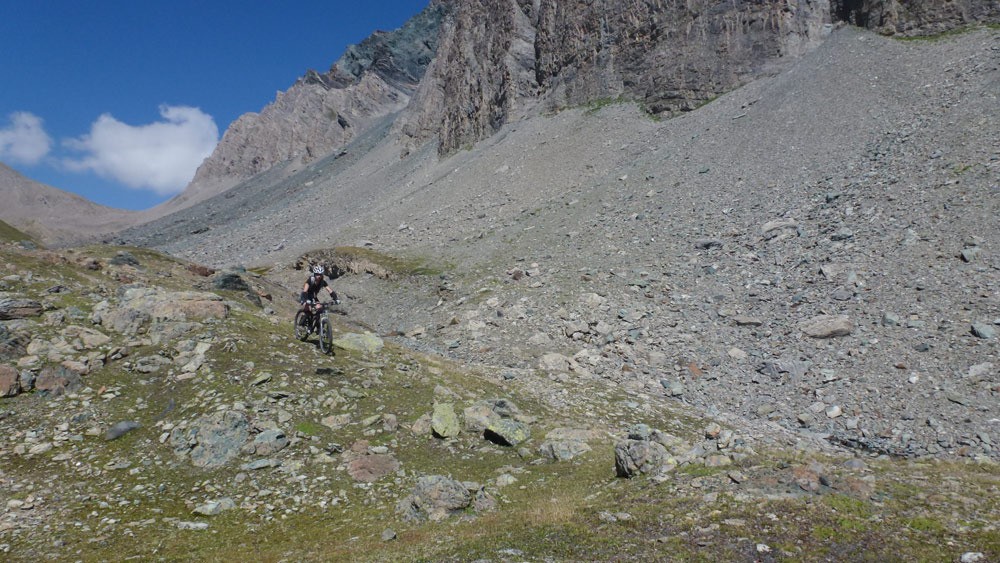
325, 335
301, 325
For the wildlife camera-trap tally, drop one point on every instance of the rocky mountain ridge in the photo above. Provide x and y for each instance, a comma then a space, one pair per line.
322, 112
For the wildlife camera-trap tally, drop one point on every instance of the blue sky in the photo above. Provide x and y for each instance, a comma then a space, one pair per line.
119, 100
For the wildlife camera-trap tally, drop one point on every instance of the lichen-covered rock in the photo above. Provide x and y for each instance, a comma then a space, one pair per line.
215, 507
435, 497
366, 343
213, 440
507, 432
444, 421
639, 457
478, 417
140, 306
563, 450
88, 337
481, 414
12, 343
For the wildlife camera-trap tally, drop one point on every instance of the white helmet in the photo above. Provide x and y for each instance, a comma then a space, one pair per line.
318, 269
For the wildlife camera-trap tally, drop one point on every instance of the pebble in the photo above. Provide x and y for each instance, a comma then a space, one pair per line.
827, 326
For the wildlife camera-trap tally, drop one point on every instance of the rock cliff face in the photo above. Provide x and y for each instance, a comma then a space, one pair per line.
670, 56
914, 17
321, 113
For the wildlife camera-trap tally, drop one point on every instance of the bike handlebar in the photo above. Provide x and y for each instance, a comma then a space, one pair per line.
313, 303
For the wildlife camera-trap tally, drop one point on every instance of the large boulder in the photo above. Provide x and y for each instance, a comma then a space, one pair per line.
444, 421
479, 416
10, 381
57, 381
366, 343
188, 306
12, 343
15, 308
212, 440
88, 337
138, 306
124, 321
124, 258
435, 497
270, 442
564, 444
637, 457
230, 281
507, 432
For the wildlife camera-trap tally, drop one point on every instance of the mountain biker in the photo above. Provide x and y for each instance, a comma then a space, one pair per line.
311, 288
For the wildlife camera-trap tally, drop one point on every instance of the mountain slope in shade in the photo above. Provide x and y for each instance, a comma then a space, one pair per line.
54, 216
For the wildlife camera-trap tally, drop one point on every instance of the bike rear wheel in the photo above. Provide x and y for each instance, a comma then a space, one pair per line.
325, 335
301, 325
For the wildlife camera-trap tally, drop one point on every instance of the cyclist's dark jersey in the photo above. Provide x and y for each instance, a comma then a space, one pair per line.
314, 287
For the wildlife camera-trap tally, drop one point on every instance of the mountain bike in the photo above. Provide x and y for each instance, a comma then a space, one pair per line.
316, 319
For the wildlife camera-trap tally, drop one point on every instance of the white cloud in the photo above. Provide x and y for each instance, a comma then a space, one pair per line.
25, 140
161, 156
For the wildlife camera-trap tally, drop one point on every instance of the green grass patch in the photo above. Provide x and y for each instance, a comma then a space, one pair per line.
598, 104
10, 234
309, 428
844, 504
925, 524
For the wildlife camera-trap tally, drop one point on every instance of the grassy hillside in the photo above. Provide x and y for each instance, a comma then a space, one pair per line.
728, 492
10, 234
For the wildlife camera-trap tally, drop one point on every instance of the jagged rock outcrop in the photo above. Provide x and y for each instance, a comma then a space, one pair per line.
322, 112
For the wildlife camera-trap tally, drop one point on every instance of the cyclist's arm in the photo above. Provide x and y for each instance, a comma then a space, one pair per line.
304, 296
